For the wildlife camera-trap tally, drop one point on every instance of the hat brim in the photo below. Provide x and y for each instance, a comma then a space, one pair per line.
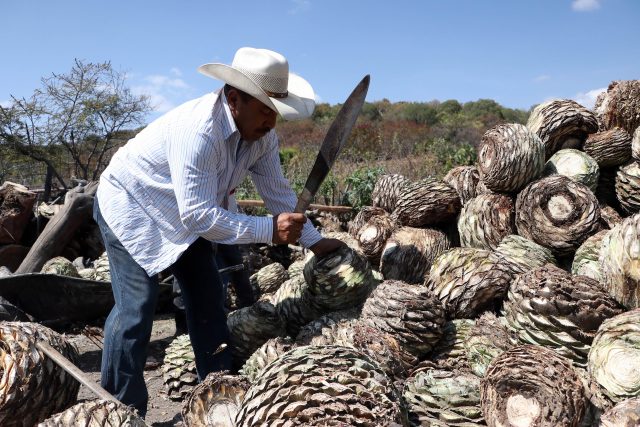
299, 103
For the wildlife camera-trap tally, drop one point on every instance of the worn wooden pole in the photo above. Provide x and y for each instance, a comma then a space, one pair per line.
74, 371
321, 208
76, 211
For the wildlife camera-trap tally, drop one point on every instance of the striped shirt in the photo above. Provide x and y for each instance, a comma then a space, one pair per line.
171, 184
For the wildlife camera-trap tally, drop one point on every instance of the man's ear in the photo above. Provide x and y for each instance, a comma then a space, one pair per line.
232, 99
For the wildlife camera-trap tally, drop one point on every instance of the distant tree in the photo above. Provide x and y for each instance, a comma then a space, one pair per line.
85, 112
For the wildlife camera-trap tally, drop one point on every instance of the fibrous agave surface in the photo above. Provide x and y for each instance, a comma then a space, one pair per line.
215, 402
426, 202
387, 190
610, 147
96, 413
561, 124
485, 220
550, 307
531, 386
464, 179
322, 386
620, 261
415, 248
33, 386
509, 157
469, 281
614, 357
574, 164
557, 213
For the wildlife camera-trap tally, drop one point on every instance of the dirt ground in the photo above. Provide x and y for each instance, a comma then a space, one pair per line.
161, 410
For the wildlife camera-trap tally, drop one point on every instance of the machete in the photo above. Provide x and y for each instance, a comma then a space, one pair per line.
334, 140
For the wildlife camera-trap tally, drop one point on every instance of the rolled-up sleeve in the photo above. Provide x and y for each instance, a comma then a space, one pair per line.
193, 167
275, 190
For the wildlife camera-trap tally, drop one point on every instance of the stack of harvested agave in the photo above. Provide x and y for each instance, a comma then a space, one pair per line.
507, 293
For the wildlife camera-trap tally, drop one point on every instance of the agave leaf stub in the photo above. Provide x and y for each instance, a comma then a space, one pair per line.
417, 247
361, 218
33, 386
509, 157
387, 190
485, 220
382, 347
250, 327
409, 312
317, 386
179, 368
464, 179
610, 147
426, 202
619, 105
485, 340
268, 279
523, 254
620, 261
550, 307
531, 385
215, 401
294, 304
267, 353
469, 281
449, 352
340, 280
558, 122
557, 213
435, 396
586, 259
614, 358
96, 413
628, 186
373, 235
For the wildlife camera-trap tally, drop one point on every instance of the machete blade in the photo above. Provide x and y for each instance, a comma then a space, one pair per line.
333, 142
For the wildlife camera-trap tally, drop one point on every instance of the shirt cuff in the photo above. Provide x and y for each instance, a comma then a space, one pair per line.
310, 236
264, 229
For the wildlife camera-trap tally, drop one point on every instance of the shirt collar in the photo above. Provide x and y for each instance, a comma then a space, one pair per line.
228, 124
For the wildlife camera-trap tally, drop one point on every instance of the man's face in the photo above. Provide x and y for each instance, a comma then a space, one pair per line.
253, 118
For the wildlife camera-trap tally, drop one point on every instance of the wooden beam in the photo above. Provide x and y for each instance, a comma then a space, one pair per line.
321, 208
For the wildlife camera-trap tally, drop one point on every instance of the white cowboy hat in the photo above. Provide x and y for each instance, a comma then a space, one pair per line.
264, 74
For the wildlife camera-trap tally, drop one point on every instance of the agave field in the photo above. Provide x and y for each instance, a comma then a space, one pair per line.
505, 294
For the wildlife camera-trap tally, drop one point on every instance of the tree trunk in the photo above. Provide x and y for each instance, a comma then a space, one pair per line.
60, 229
47, 184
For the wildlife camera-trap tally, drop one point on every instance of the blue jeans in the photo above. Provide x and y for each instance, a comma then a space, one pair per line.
127, 330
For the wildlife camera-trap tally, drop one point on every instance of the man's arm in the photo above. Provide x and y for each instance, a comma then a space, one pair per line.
280, 199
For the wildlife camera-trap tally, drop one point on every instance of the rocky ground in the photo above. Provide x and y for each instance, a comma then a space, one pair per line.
161, 410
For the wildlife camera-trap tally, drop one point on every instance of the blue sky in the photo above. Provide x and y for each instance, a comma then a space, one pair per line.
517, 52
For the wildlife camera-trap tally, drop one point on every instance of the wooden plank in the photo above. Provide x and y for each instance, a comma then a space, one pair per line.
313, 207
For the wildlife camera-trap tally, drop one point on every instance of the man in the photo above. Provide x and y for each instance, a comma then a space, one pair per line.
163, 199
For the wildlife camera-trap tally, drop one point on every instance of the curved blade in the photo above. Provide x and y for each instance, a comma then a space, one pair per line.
335, 139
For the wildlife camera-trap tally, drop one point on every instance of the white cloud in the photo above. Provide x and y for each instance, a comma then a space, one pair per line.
585, 5
542, 78
6, 103
299, 6
164, 92
588, 99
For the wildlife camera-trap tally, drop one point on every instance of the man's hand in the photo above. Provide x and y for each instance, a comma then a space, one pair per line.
287, 227
325, 246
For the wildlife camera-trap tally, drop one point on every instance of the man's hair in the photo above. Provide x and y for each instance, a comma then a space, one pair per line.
243, 95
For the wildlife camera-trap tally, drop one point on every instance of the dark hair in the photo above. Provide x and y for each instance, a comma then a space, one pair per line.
243, 95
